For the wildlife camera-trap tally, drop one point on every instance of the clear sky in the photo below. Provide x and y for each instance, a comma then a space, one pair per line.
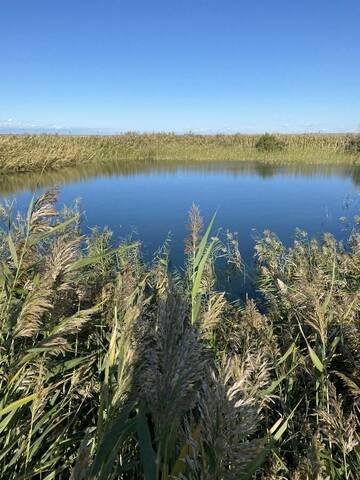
180, 65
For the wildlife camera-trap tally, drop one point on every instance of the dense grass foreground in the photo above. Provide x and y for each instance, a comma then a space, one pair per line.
36, 152
114, 369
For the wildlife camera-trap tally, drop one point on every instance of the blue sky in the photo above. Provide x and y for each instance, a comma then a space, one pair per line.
180, 65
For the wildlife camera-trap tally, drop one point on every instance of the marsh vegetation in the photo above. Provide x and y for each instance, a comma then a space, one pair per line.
38, 152
116, 368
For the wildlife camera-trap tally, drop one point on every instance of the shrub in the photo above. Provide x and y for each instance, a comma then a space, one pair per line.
353, 144
269, 143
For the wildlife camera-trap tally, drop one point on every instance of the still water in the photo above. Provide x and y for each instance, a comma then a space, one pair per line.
151, 201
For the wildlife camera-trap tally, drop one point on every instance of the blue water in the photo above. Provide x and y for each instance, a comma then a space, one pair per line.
154, 203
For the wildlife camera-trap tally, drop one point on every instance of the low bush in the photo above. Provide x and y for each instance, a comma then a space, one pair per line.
269, 143
353, 144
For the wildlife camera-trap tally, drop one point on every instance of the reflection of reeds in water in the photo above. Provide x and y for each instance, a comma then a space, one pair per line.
12, 183
111, 368
26, 153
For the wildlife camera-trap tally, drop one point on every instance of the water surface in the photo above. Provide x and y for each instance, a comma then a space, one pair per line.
150, 201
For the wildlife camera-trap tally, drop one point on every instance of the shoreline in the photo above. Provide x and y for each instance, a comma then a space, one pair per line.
26, 153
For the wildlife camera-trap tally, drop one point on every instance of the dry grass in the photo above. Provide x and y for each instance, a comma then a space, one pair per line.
36, 152
111, 368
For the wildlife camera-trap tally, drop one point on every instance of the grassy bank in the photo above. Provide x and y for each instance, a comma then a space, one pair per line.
111, 368
35, 152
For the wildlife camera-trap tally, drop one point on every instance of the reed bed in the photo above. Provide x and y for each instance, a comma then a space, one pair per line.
38, 152
112, 368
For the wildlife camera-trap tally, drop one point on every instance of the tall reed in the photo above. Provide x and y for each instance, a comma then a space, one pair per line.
112, 368
38, 152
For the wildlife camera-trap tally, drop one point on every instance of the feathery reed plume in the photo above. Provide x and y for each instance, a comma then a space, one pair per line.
212, 316
62, 255
36, 304
174, 367
337, 428
195, 227
229, 417
42, 210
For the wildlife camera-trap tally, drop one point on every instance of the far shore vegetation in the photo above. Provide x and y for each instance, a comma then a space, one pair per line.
38, 152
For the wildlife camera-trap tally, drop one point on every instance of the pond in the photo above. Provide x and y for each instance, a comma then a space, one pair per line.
150, 201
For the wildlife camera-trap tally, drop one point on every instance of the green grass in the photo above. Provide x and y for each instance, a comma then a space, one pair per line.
113, 368
38, 152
